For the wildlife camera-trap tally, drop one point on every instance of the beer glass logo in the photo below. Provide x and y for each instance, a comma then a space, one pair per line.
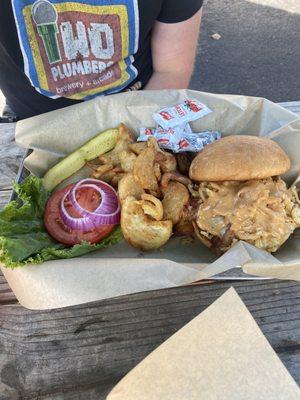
44, 15
78, 49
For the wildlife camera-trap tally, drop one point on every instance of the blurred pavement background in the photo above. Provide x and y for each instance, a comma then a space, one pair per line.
257, 51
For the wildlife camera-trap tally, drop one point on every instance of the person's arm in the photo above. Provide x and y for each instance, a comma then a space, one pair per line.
173, 53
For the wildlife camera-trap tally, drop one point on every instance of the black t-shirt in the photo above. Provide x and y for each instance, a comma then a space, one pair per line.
54, 53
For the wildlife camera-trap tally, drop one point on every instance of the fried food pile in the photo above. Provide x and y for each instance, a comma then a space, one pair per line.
155, 197
232, 192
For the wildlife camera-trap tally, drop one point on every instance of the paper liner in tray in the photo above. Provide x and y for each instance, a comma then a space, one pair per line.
121, 269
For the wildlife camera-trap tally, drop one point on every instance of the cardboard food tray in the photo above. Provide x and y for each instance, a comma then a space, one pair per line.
121, 269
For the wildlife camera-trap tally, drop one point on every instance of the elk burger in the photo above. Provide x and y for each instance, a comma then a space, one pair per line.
241, 194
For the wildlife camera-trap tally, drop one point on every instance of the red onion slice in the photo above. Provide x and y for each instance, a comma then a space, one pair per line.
107, 203
107, 213
109, 197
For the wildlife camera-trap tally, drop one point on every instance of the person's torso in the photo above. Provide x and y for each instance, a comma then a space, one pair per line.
78, 49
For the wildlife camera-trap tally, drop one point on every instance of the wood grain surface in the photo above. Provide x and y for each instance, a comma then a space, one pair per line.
4, 197
10, 156
82, 352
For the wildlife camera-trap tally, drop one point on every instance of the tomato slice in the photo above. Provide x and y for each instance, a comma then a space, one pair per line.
89, 199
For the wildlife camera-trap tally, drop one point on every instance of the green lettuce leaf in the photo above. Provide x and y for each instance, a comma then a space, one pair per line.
23, 237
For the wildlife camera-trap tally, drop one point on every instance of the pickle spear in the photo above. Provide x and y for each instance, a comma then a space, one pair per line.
72, 163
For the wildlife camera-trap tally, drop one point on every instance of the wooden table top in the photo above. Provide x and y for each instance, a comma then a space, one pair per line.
81, 352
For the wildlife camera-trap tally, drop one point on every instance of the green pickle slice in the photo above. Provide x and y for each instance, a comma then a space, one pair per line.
72, 163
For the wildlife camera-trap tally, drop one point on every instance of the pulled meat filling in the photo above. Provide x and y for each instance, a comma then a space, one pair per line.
261, 212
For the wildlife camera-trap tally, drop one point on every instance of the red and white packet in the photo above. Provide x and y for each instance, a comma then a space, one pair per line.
181, 114
166, 138
179, 139
176, 134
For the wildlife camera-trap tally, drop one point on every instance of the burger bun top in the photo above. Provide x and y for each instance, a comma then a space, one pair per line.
239, 158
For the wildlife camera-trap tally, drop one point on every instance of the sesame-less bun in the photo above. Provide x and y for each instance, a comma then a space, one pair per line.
239, 158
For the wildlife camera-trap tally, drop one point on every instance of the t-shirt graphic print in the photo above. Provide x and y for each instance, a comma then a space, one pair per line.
78, 49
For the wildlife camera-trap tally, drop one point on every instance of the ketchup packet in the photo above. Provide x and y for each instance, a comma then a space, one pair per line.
173, 131
195, 142
166, 138
180, 114
167, 142
179, 139
145, 133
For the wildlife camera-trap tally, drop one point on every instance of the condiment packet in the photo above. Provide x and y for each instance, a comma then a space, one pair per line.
180, 114
145, 133
166, 138
173, 131
179, 139
167, 142
195, 142
178, 131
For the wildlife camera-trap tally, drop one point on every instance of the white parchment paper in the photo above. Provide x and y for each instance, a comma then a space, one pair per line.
220, 354
121, 269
